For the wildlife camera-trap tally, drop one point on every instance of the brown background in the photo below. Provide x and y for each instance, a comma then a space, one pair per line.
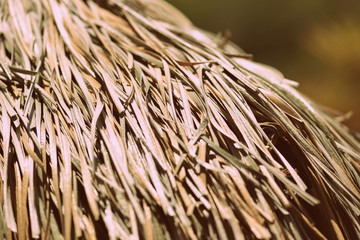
315, 42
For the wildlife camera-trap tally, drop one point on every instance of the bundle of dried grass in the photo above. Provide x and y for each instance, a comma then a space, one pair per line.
121, 120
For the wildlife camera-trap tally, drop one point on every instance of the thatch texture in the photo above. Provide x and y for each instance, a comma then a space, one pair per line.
121, 120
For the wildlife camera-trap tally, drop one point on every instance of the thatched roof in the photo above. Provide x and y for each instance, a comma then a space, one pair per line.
121, 120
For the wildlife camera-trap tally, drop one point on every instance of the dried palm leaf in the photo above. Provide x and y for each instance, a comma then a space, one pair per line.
121, 120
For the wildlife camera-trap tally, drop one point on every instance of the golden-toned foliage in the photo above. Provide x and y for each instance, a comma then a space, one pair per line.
121, 120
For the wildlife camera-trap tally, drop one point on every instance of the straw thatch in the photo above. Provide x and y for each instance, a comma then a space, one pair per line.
121, 120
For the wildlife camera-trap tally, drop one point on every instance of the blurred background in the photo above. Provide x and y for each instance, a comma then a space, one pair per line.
315, 42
